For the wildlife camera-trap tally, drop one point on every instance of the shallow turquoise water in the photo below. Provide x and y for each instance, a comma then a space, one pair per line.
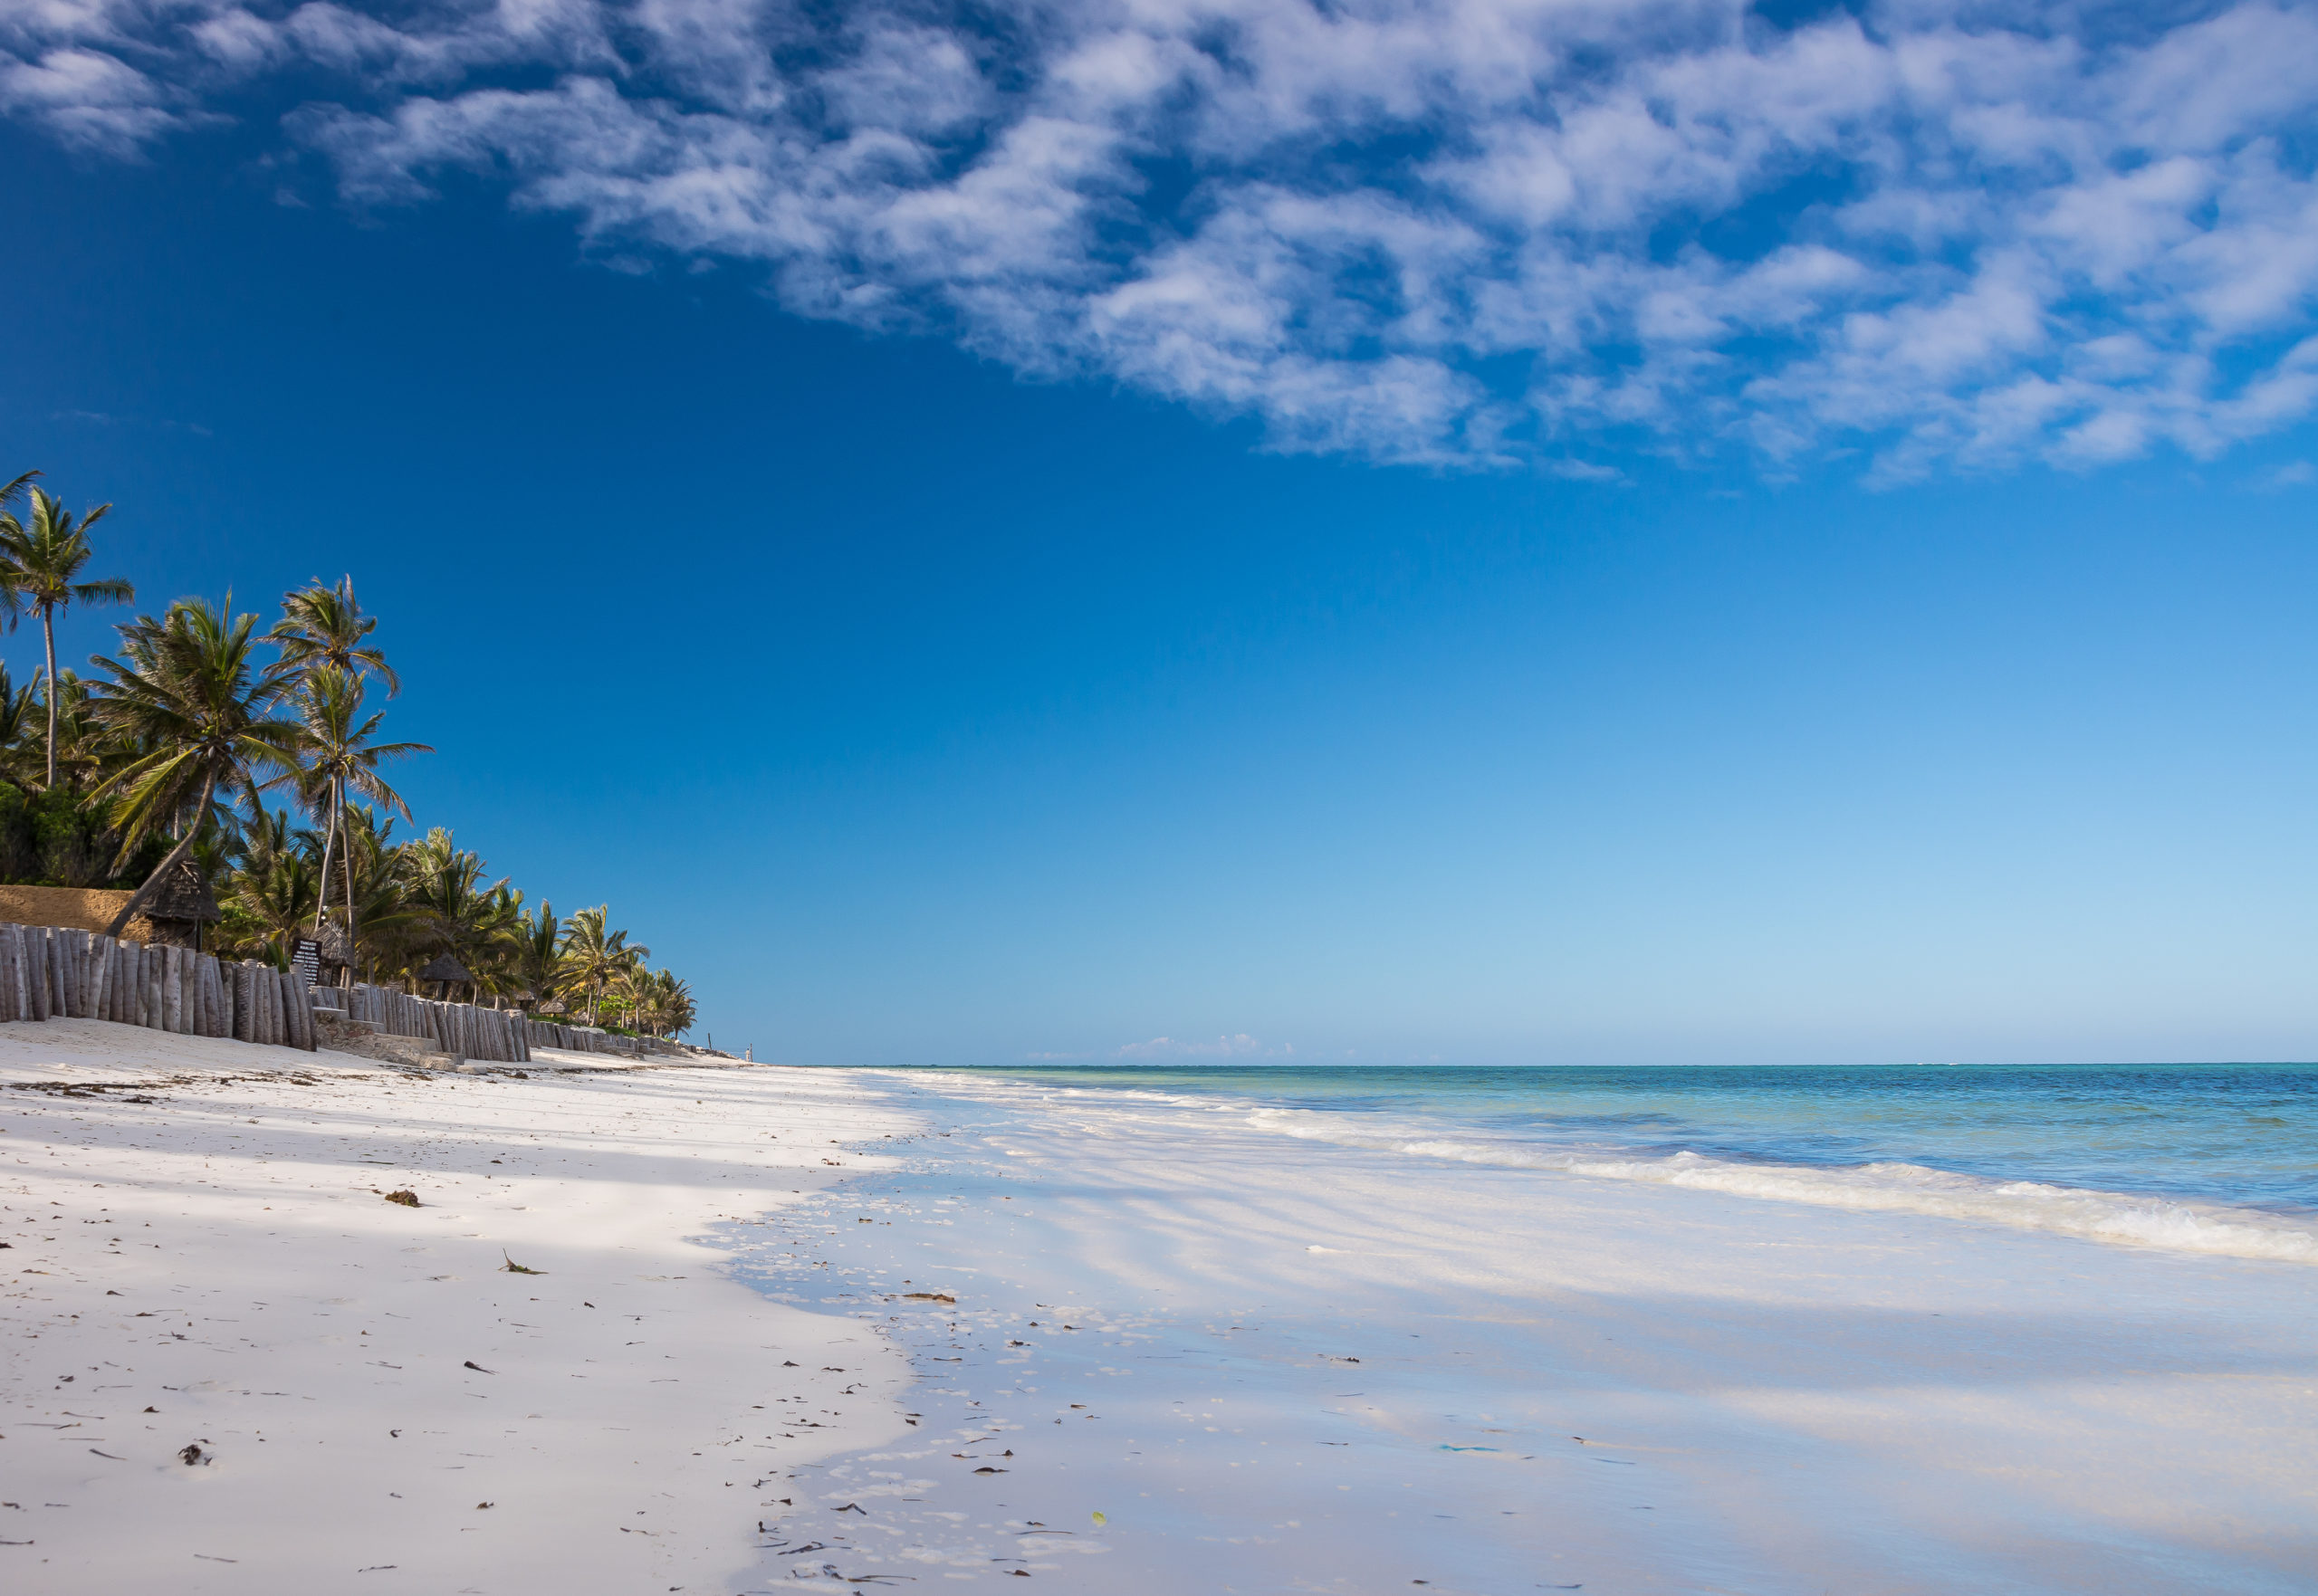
2245, 1136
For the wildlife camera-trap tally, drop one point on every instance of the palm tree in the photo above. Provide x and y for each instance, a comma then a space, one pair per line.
594, 958
82, 747
189, 692
338, 754
15, 718
270, 894
40, 568
454, 912
537, 967
322, 626
381, 872
658, 1002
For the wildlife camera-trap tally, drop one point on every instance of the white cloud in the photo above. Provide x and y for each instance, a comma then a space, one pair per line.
1460, 232
1235, 1046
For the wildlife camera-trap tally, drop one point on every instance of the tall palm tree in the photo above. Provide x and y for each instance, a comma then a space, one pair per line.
595, 957
324, 625
188, 690
339, 754
40, 561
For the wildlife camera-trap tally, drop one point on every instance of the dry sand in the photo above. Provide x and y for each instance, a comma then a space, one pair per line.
200, 1254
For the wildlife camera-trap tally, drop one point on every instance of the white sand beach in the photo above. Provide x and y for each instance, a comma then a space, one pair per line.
200, 1254
888, 1329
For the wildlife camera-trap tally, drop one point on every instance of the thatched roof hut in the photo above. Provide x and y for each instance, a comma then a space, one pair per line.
184, 895
181, 905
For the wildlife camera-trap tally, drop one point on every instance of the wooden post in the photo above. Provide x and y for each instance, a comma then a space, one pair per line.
100, 975
69, 942
172, 987
44, 960
11, 1003
35, 974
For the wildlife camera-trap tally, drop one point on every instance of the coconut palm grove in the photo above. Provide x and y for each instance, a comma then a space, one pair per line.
254, 753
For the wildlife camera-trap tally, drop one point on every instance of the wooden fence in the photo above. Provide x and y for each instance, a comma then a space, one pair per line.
578, 1038
464, 1029
49, 971
473, 1031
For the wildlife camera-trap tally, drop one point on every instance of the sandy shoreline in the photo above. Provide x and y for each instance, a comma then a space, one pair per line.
361, 1376
1280, 1364
906, 1328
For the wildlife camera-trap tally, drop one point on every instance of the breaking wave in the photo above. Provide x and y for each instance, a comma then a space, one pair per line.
2141, 1219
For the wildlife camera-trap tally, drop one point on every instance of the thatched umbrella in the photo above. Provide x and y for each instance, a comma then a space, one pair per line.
181, 905
444, 971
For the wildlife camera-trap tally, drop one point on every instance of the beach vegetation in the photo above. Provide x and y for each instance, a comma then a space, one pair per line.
256, 757
42, 555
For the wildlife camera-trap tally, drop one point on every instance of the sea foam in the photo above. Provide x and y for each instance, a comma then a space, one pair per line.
1889, 1187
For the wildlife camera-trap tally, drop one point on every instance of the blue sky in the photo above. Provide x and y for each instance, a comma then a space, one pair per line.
1481, 532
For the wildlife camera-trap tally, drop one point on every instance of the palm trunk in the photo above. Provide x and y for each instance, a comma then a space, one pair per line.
351, 928
48, 627
176, 855
320, 895
329, 839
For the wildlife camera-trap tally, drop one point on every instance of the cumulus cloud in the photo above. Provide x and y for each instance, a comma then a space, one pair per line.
1932, 233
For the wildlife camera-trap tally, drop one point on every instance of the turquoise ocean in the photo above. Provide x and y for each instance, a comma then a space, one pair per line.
2206, 1157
